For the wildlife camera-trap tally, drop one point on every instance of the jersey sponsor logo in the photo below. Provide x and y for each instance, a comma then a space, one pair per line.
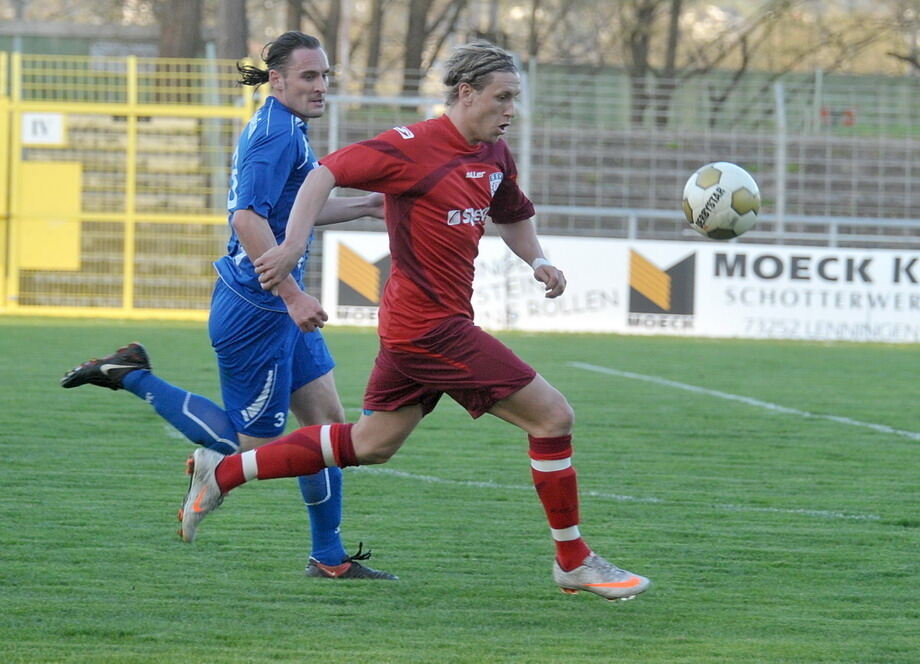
405, 132
472, 216
495, 180
473, 175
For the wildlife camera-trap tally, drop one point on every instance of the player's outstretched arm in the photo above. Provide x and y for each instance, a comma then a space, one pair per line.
521, 238
277, 262
350, 208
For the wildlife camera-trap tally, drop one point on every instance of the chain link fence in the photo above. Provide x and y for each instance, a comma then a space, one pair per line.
146, 144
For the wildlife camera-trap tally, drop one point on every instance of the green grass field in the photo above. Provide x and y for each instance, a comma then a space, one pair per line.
770, 535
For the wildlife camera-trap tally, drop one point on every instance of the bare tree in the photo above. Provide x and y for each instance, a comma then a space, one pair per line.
905, 24
232, 29
428, 26
658, 55
636, 23
538, 29
325, 17
492, 30
180, 28
293, 15
375, 34
667, 82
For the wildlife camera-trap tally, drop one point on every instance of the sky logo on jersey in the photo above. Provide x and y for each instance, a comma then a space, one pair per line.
661, 298
472, 216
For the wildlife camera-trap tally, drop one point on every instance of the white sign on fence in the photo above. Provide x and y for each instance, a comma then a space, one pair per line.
43, 129
708, 289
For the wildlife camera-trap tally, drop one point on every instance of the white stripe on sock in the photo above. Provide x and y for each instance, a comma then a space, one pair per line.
325, 443
550, 465
250, 465
565, 534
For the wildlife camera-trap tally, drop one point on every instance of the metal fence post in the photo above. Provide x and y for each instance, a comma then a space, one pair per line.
781, 158
130, 227
526, 154
211, 131
334, 121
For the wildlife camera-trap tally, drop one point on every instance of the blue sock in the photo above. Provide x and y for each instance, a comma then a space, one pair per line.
322, 493
200, 420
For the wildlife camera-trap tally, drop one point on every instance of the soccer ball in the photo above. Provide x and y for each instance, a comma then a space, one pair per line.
721, 200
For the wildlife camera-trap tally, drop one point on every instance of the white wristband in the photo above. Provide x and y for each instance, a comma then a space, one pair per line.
539, 262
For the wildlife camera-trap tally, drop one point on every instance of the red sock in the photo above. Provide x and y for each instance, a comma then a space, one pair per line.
556, 483
302, 452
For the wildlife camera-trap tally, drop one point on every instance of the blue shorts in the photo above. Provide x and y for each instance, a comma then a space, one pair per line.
263, 358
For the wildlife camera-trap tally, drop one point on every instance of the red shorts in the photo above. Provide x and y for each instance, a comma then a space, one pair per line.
456, 357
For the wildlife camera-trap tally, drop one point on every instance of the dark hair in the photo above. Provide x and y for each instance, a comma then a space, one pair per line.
473, 63
275, 55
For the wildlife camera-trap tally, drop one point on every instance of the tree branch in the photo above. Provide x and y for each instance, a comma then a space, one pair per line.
910, 58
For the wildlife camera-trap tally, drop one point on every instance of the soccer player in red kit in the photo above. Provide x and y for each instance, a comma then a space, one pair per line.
443, 179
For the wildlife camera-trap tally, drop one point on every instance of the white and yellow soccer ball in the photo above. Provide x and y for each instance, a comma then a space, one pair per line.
721, 200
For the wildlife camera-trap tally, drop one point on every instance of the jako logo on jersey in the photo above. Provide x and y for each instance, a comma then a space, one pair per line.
405, 132
495, 181
470, 216
475, 174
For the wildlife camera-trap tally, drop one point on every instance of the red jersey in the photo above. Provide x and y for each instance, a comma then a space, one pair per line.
439, 192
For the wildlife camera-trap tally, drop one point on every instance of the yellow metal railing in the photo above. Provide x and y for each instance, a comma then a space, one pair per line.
113, 177
4, 173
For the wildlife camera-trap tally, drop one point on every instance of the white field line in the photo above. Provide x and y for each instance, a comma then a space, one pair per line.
824, 514
881, 428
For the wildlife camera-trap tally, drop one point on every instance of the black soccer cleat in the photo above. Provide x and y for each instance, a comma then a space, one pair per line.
110, 370
349, 568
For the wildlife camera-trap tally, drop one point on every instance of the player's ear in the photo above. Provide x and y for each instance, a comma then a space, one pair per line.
465, 93
275, 79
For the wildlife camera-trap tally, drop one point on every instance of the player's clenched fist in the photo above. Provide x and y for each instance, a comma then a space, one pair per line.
552, 278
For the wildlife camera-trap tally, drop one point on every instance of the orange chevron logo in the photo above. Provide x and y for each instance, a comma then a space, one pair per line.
358, 274
649, 280
658, 291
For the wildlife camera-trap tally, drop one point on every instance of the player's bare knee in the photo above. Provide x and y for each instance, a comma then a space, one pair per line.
558, 418
335, 414
564, 416
376, 451
376, 455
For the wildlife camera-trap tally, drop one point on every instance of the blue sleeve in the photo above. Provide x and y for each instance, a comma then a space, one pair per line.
263, 169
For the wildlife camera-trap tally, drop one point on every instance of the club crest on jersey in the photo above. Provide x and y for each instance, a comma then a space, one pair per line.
495, 180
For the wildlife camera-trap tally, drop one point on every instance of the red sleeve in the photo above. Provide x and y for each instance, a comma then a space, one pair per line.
372, 165
509, 204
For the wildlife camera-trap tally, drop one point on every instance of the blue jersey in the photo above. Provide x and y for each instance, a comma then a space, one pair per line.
271, 161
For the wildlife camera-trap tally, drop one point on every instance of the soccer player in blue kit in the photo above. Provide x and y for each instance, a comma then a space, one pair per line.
268, 362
